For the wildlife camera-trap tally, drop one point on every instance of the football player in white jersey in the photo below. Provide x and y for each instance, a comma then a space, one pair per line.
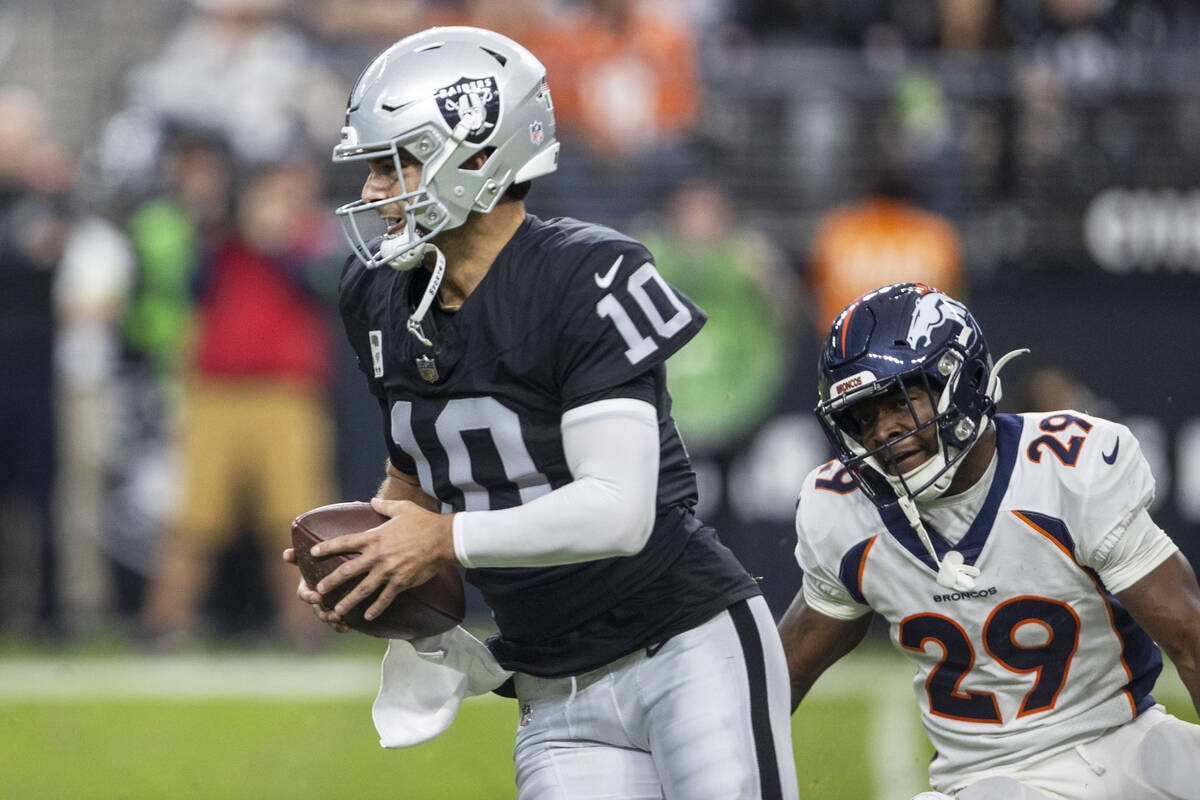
1012, 556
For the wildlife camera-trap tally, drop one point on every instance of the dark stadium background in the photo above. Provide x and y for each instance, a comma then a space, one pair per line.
1087, 252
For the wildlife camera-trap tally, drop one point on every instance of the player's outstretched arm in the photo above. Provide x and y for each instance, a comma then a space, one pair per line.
1166, 603
611, 447
814, 641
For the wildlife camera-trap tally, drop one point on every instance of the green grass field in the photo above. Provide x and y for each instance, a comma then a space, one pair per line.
261, 725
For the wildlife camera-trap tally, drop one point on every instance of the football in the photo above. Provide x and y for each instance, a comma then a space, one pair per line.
433, 607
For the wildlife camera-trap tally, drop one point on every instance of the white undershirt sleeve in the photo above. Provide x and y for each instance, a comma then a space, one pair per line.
612, 448
1132, 552
831, 600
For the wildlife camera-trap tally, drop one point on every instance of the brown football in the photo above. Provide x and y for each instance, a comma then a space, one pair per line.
433, 607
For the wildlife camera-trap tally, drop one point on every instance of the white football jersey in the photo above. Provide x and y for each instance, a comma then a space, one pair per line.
1039, 656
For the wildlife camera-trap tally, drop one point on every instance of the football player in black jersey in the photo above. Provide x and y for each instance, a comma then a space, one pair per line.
519, 366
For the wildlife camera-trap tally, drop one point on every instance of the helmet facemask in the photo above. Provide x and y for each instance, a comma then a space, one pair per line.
960, 415
425, 215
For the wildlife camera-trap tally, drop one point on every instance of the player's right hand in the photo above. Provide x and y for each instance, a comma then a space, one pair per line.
313, 599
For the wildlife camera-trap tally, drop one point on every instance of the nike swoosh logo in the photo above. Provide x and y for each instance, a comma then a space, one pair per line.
605, 280
393, 108
1111, 458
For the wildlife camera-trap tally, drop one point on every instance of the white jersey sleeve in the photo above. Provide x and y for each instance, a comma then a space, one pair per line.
1112, 489
819, 554
823, 591
1140, 548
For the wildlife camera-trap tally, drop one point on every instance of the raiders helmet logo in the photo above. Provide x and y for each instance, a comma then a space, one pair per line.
475, 100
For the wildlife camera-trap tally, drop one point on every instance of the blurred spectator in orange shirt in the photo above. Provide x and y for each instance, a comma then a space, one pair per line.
884, 238
623, 73
631, 81
627, 91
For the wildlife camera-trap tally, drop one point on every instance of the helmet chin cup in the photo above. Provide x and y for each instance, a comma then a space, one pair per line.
931, 478
411, 257
395, 251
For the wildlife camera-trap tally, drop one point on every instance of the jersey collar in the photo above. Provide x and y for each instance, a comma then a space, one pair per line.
1008, 440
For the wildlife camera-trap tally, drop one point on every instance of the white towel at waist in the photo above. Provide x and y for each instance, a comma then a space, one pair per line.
424, 681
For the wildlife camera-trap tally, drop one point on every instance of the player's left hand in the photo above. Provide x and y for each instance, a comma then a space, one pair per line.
313, 598
401, 553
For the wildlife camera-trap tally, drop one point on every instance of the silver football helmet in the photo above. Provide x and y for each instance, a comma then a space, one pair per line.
443, 95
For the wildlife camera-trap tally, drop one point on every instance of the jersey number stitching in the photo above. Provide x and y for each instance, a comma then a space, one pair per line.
1050, 661
463, 415
1068, 454
639, 346
842, 481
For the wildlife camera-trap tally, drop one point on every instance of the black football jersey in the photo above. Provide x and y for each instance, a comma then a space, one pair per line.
569, 313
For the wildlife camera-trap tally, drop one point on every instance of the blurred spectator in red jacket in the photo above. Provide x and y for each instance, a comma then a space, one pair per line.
257, 430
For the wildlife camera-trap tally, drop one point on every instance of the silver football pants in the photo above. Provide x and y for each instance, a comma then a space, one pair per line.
707, 716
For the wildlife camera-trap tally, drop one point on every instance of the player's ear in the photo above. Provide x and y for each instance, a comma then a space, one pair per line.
477, 160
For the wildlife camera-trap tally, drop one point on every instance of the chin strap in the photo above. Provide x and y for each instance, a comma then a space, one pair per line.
435, 281
952, 572
416, 256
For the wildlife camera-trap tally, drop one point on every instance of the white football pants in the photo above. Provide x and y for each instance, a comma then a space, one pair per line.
706, 716
1154, 757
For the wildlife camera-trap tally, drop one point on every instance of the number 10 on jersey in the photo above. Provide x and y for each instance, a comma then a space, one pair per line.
637, 345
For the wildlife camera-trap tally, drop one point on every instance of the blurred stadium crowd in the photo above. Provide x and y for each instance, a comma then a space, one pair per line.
174, 378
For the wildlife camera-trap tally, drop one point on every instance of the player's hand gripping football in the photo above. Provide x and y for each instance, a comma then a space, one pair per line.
313, 598
401, 553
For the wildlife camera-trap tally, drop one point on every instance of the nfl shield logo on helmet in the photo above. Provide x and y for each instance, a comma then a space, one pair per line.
473, 100
536, 133
427, 369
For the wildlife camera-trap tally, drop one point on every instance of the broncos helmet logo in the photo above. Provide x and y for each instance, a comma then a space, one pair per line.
930, 313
